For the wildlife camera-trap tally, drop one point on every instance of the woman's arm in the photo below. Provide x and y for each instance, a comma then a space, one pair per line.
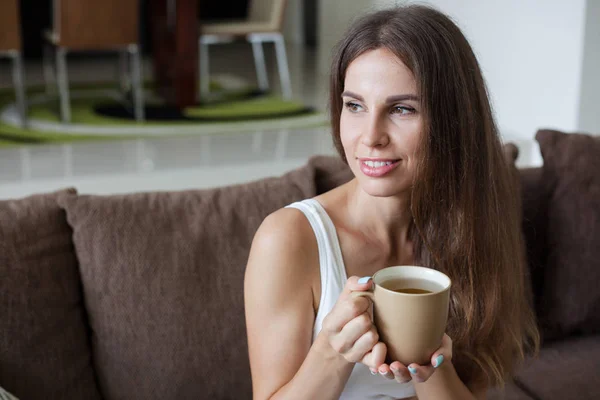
280, 315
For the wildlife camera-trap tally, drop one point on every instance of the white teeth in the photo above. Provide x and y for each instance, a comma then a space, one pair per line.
377, 164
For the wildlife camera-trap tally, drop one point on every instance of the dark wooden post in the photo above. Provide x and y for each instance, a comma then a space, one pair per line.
174, 27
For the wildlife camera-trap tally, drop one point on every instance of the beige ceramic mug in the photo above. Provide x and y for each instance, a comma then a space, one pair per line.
410, 311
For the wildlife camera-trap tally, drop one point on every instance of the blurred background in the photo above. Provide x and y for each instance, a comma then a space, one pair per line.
114, 97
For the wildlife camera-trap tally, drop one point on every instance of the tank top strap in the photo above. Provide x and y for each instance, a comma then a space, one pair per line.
330, 252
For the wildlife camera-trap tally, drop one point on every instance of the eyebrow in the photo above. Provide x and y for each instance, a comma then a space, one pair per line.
390, 99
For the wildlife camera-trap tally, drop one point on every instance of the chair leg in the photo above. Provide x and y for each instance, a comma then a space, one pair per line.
138, 91
204, 72
63, 84
20, 87
259, 62
123, 73
282, 66
48, 69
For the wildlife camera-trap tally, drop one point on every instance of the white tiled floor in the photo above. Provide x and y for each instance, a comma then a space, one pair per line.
169, 163
157, 164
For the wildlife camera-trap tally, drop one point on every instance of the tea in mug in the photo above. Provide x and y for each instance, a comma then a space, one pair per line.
412, 291
410, 286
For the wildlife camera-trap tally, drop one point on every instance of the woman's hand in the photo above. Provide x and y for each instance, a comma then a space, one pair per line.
416, 372
349, 327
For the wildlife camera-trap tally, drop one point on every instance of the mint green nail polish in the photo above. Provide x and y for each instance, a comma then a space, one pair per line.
412, 370
438, 361
364, 279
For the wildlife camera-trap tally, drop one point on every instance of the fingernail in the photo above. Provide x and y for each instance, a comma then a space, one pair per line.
394, 369
373, 372
438, 361
364, 279
412, 370
382, 373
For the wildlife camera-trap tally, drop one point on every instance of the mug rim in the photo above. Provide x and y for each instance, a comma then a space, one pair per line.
414, 267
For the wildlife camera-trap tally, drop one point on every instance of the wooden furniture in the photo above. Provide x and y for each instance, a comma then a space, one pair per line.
11, 46
174, 32
83, 25
264, 24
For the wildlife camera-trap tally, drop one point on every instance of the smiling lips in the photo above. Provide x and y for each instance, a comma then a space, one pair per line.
376, 168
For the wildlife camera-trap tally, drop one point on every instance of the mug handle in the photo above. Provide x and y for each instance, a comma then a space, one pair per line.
370, 295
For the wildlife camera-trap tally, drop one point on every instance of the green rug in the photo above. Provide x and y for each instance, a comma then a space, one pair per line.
98, 117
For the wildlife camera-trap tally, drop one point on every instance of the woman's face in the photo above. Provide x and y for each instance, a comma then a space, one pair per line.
381, 123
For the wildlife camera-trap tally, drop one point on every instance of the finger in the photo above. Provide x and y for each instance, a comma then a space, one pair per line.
384, 370
344, 311
362, 345
357, 327
437, 359
420, 373
445, 350
356, 338
376, 356
401, 373
444, 353
354, 283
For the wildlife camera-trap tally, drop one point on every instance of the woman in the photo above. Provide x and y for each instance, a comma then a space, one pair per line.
412, 119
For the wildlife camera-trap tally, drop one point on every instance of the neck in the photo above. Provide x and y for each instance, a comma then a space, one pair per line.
385, 219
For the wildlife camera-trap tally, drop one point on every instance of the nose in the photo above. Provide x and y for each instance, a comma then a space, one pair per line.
375, 133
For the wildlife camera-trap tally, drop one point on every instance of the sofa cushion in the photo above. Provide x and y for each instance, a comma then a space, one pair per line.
566, 369
163, 280
571, 299
534, 200
44, 340
523, 185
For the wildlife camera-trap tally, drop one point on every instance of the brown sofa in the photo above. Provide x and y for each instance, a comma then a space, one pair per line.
140, 296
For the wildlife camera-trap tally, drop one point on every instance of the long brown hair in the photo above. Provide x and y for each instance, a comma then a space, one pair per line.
465, 201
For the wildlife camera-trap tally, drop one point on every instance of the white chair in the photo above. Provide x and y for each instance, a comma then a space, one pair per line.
10, 46
264, 24
109, 25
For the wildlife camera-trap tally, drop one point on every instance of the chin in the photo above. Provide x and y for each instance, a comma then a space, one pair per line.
383, 188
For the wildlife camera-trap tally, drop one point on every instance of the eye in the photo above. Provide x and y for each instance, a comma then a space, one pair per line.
403, 110
352, 107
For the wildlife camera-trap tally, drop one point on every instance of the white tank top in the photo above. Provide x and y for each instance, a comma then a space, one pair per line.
361, 384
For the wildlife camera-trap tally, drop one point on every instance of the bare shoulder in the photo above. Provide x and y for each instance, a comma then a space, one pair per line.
284, 252
286, 224
286, 233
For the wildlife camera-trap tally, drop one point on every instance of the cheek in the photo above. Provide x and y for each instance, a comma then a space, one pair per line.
349, 131
348, 139
411, 136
